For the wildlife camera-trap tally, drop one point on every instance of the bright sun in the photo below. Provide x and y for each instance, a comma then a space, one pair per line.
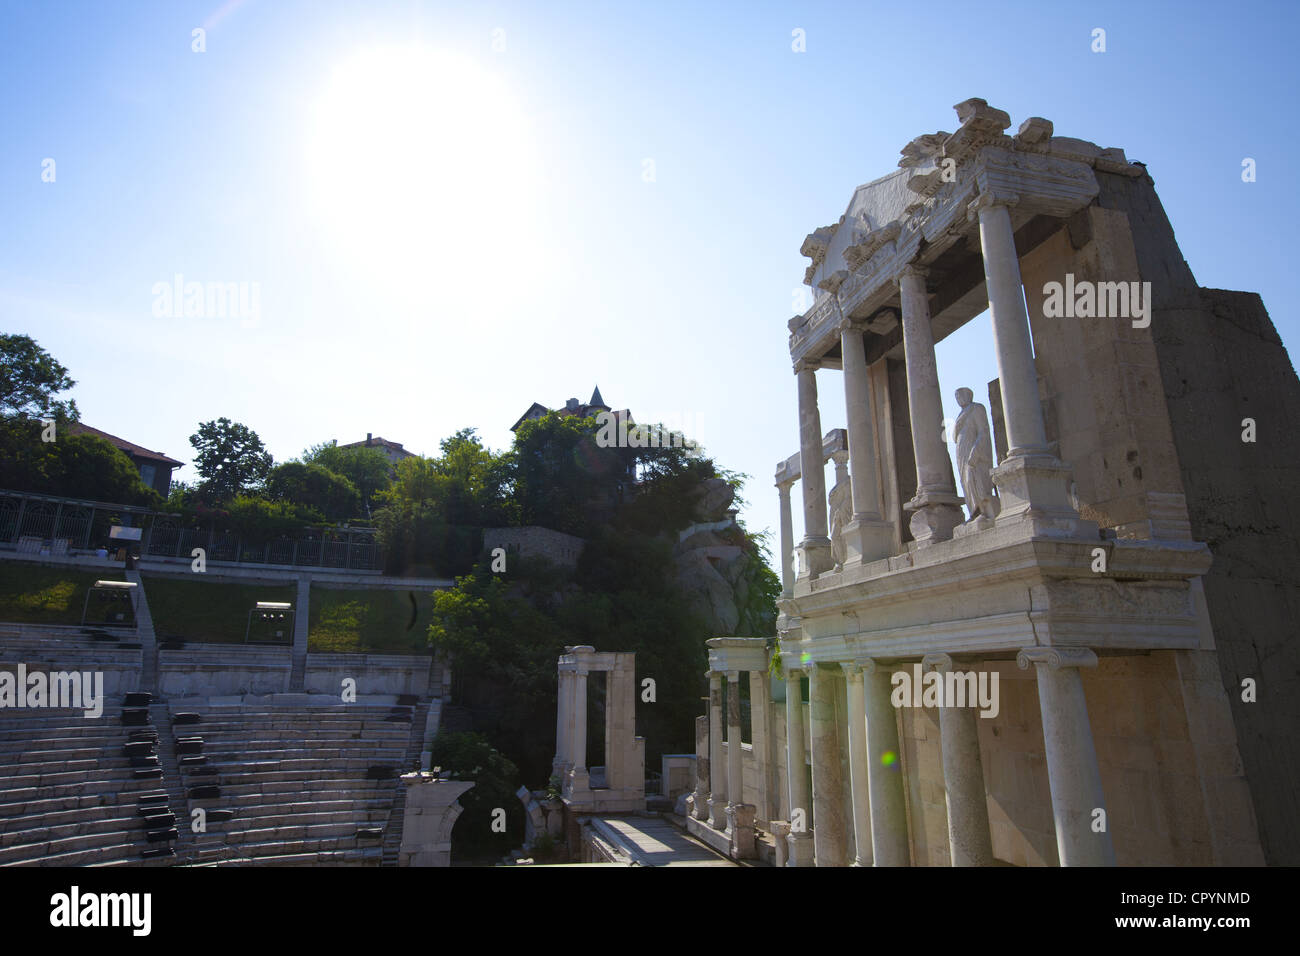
420, 163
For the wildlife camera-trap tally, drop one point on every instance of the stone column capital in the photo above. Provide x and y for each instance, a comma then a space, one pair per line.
912, 270
783, 487
733, 677
936, 662
1056, 657
792, 673
852, 671
806, 365
713, 675
870, 666
990, 199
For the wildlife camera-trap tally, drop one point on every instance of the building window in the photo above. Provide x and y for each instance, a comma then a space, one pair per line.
147, 474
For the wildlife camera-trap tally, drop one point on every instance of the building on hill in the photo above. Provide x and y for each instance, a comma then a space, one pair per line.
573, 407
392, 450
155, 467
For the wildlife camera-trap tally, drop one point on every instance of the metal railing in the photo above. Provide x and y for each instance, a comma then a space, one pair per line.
82, 525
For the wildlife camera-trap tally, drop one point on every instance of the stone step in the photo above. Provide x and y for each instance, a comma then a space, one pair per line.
117, 843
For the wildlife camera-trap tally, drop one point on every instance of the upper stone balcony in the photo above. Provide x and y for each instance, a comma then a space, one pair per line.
1075, 530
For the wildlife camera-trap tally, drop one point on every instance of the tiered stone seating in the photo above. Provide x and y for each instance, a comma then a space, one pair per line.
67, 792
306, 785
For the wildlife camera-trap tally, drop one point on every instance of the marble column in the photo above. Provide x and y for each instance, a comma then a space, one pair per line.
760, 697
1017, 376
816, 546
889, 843
700, 801
829, 834
1072, 771
735, 752
581, 777
1033, 484
970, 841
935, 510
787, 540
561, 724
717, 769
868, 537
796, 765
858, 765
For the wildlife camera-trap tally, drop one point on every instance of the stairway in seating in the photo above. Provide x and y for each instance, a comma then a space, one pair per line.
171, 782
410, 761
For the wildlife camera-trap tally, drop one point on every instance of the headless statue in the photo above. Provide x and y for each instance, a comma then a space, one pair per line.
975, 456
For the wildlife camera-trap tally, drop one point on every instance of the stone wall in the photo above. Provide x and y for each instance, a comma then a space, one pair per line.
1221, 361
535, 542
224, 670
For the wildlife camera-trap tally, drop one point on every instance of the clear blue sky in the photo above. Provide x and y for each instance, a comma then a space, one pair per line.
443, 232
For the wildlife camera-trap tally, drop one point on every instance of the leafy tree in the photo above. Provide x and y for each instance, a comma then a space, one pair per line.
73, 466
30, 378
229, 457
561, 478
367, 468
434, 512
315, 487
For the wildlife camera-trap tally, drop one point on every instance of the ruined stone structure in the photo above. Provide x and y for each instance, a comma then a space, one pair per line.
1119, 592
619, 786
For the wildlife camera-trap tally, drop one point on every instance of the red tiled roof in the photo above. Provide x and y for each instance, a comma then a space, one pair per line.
131, 448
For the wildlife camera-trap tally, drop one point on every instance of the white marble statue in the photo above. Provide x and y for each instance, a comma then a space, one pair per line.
841, 508
975, 456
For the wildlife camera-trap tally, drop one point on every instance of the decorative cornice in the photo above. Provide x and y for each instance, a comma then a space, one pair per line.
1056, 657
833, 281
923, 149
865, 245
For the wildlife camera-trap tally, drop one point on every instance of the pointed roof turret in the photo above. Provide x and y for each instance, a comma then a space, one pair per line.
596, 400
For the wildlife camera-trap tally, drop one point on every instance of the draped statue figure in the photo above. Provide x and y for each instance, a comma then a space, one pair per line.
975, 456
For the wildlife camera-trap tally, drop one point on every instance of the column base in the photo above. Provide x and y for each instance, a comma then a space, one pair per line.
577, 785
800, 849
935, 514
814, 557
1034, 489
740, 831
867, 538
717, 814
697, 806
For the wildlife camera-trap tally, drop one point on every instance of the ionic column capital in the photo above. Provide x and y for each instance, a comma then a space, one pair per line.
988, 200
1056, 657
936, 662
871, 667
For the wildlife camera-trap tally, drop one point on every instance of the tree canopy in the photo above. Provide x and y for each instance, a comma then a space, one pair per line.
229, 457
30, 378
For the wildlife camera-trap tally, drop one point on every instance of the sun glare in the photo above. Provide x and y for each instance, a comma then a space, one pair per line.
419, 159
